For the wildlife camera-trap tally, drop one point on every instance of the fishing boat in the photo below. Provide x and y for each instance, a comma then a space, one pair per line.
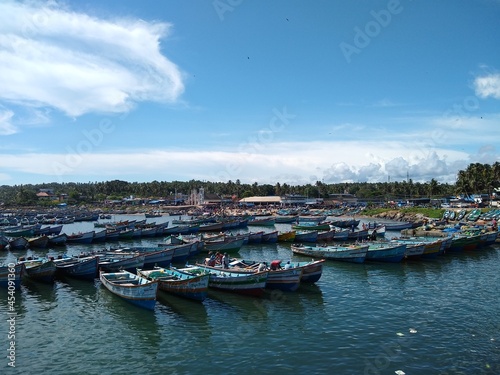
358, 234
311, 271
18, 243
282, 277
286, 236
85, 237
39, 242
325, 236
132, 288
178, 282
11, 275
390, 252
225, 245
264, 221
306, 236
282, 219
39, 269
340, 234
353, 253
311, 225
113, 261
270, 237
255, 237
232, 281
398, 226
79, 268
58, 239
473, 215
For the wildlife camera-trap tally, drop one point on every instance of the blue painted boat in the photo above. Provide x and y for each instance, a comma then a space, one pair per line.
246, 283
352, 254
178, 282
85, 268
282, 277
386, 252
132, 288
306, 236
39, 269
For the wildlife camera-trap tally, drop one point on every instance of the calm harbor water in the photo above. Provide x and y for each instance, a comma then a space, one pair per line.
423, 317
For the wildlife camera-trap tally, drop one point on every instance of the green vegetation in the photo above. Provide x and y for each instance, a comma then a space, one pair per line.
477, 178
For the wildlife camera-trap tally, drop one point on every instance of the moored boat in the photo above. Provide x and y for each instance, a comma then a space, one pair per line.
178, 282
282, 277
39, 269
392, 252
132, 288
286, 236
352, 253
237, 282
86, 237
78, 268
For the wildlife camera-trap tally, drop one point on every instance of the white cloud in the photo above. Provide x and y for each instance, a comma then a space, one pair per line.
6, 127
488, 85
78, 64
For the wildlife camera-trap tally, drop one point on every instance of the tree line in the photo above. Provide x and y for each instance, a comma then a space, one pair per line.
477, 178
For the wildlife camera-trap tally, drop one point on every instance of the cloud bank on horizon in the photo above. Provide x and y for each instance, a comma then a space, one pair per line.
59, 65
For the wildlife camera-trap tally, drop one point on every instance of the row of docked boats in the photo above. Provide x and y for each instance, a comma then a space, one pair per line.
402, 248
140, 286
193, 281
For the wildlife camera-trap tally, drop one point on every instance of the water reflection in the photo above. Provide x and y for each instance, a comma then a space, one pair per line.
139, 323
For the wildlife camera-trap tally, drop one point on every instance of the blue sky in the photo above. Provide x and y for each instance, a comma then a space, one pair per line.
261, 91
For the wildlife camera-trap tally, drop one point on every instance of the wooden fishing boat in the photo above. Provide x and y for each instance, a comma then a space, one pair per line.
311, 225
353, 253
178, 282
18, 243
391, 252
270, 237
264, 221
58, 239
78, 268
255, 237
282, 277
232, 281
286, 236
473, 215
461, 214
358, 235
132, 288
325, 236
282, 219
311, 271
39, 269
340, 234
226, 245
306, 236
113, 262
398, 226
11, 275
39, 242
211, 227
86, 237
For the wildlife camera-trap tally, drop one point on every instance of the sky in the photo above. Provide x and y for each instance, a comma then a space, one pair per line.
280, 91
